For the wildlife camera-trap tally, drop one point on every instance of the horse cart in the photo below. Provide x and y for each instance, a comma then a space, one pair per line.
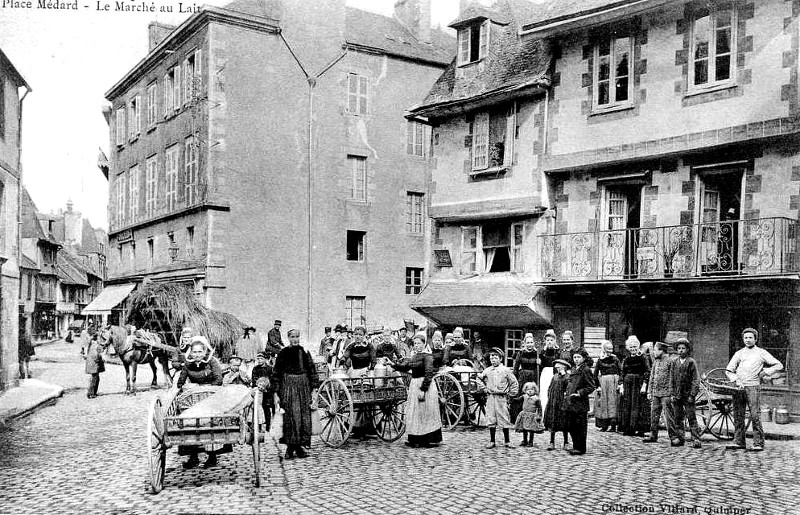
343, 401
714, 404
462, 396
204, 416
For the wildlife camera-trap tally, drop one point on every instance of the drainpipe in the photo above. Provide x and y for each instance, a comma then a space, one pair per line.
312, 83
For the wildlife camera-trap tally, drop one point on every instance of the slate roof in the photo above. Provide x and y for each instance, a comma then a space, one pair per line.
389, 35
513, 62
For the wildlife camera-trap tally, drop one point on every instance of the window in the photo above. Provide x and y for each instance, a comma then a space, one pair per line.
191, 77
135, 117
612, 72
152, 104
150, 192
120, 126
355, 311
356, 93
171, 165
150, 252
190, 170
493, 138
190, 240
473, 43
133, 193
501, 245
169, 93
712, 43
413, 281
355, 245
358, 177
415, 138
415, 212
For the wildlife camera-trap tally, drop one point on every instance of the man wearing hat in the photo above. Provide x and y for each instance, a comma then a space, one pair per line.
325, 344
746, 368
501, 384
274, 341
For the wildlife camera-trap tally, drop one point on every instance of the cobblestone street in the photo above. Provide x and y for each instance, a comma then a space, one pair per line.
83, 456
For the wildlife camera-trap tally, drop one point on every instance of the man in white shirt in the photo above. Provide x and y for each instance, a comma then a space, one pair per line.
746, 368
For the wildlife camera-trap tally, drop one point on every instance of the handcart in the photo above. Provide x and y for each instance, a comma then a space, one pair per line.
204, 415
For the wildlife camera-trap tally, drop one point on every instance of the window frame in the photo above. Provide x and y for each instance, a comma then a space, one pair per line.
171, 166
711, 58
464, 42
357, 94
613, 103
358, 174
151, 185
415, 212
414, 280
152, 104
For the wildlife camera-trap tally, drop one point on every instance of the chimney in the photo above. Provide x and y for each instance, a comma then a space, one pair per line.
156, 33
415, 15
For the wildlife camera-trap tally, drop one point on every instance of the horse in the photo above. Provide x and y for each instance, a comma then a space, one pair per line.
134, 356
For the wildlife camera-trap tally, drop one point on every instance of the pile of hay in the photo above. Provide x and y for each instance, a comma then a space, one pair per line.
167, 308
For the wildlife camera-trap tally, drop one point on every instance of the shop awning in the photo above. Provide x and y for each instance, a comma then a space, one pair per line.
485, 303
109, 298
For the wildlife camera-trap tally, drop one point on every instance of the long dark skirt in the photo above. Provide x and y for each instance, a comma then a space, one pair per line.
634, 409
296, 401
515, 404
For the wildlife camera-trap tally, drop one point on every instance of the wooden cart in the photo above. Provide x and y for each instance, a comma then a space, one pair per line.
204, 415
379, 401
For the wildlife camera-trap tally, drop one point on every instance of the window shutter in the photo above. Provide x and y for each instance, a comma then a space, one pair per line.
483, 50
480, 147
463, 46
511, 129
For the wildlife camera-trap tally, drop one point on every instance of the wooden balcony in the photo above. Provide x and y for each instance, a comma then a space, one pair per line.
755, 247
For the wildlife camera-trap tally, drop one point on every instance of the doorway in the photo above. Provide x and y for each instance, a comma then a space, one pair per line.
619, 232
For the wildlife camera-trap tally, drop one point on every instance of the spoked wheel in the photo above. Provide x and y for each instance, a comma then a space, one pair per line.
389, 420
451, 400
337, 415
476, 403
256, 437
156, 446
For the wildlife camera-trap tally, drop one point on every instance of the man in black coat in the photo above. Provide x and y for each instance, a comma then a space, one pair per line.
579, 386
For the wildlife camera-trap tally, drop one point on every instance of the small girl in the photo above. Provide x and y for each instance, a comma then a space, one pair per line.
530, 418
555, 414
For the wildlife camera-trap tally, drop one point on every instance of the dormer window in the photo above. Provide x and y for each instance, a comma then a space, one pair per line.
473, 42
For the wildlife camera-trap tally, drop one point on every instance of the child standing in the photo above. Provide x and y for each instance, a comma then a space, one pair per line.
555, 418
530, 418
94, 365
500, 386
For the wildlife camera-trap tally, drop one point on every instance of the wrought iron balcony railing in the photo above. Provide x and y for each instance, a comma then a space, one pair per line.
762, 246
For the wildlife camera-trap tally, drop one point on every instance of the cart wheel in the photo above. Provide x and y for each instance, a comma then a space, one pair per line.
451, 400
389, 420
476, 403
337, 416
156, 446
256, 436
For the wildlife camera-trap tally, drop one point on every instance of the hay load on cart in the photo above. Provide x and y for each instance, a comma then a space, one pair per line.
166, 309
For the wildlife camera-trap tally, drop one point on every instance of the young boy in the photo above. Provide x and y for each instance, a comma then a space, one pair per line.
659, 392
500, 386
262, 379
685, 385
235, 374
579, 386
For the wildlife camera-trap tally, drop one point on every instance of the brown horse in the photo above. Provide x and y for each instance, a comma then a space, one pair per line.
133, 357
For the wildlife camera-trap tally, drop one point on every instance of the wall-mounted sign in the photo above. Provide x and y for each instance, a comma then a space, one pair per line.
443, 258
123, 236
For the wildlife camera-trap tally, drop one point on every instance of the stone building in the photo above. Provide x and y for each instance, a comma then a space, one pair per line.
259, 155
13, 90
667, 143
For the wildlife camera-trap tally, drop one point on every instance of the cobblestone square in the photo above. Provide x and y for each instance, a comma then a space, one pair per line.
82, 456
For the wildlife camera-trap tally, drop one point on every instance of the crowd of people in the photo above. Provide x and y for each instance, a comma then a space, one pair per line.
547, 390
